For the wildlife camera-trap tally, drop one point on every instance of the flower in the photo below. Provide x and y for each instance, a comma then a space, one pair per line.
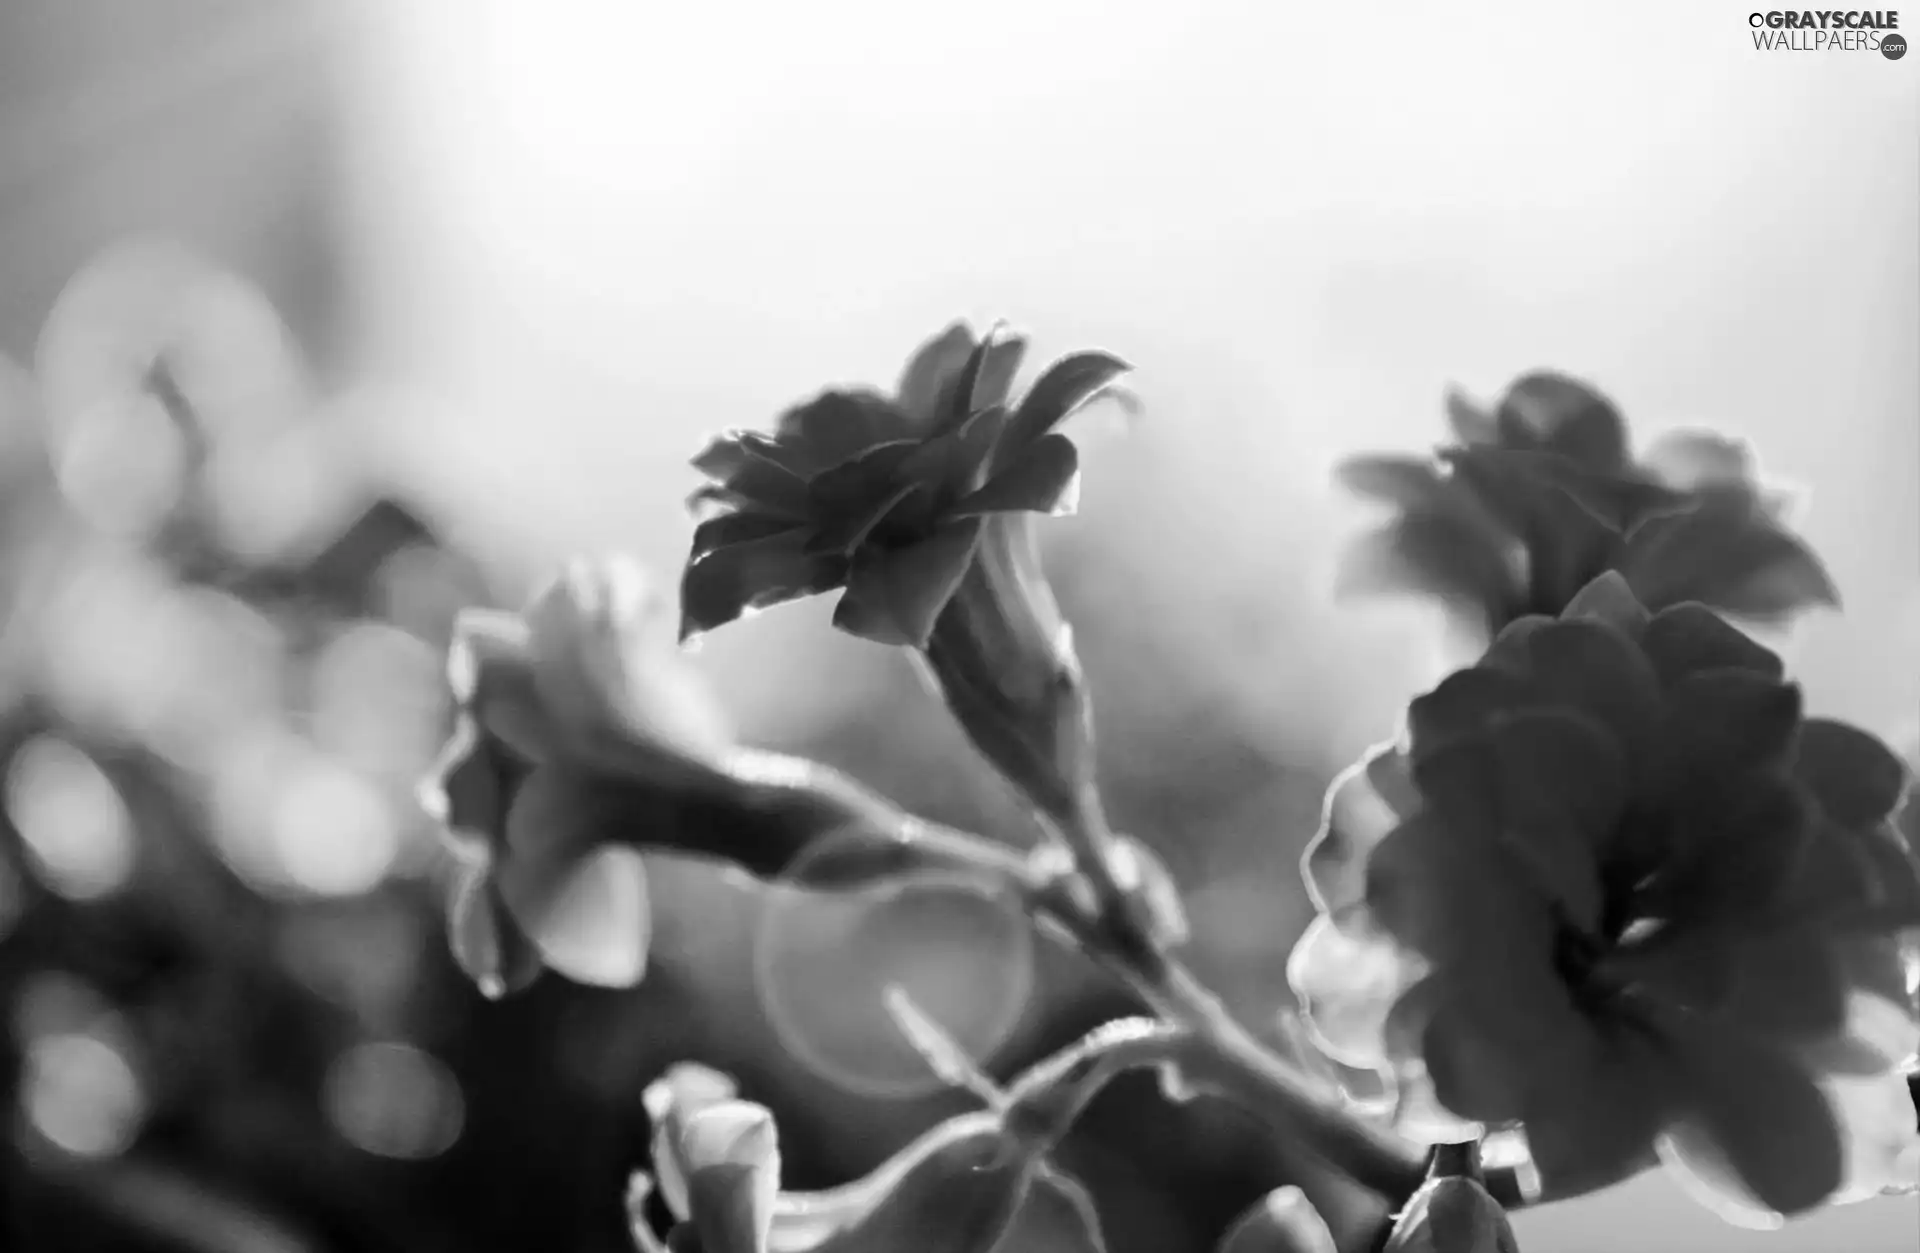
918, 505
1542, 495
582, 736
1283, 1222
958, 1188
1611, 888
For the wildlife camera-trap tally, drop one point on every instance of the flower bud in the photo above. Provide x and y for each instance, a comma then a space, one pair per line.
958, 1188
1453, 1212
1283, 1222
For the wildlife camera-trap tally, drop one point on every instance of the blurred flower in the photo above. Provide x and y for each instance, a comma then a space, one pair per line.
1542, 495
919, 505
956, 1189
1612, 887
584, 736
1283, 1222
1452, 1212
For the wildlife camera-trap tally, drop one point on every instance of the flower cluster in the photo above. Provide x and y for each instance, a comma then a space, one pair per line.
1612, 886
1540, 496
1612, 896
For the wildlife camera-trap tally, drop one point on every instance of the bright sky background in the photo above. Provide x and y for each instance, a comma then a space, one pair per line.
596, 231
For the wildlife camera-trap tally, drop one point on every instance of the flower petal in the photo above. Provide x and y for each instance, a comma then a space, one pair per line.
1561, 788
1590, 668
1690, 459
732, 1156
1756, 1139
1043, 479
729, 582
485, 941
985, 379
1730, 720
1428, 554
840, 424
727, 529
1347, 980
1363, 805
1856, 778
1733, 850
840, 535
1567, 544
925, 390
1284, 1221
1688, 637
742, 463
1471, 424
589, 916
1723, 554
893, 596
1466, 702
1411, 483
1451, 893
1608, 599
1065, 387
1562, 414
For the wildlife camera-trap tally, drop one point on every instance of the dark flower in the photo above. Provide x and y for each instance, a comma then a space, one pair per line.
958, 1188
1613, 889
918, 505
583, 737
1542, 495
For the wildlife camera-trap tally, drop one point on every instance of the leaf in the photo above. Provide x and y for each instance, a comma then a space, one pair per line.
728, 582
893, 596
1724, 555
1043, 479
1066, 386
1562, 414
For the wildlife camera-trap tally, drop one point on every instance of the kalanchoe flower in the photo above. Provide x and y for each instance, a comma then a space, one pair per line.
1541, 495
1613, 889
919, 507
958, 1188
1283, 1222
582, 737
1453, 1212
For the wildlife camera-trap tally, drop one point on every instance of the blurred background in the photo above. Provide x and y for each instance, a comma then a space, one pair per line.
323, 318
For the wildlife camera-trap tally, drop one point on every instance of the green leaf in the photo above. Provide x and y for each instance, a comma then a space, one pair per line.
1043, 479
1066, 386
893, 596
728, 582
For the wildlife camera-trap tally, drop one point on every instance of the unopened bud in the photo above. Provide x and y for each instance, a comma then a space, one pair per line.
1283, 1222
1453, 1211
